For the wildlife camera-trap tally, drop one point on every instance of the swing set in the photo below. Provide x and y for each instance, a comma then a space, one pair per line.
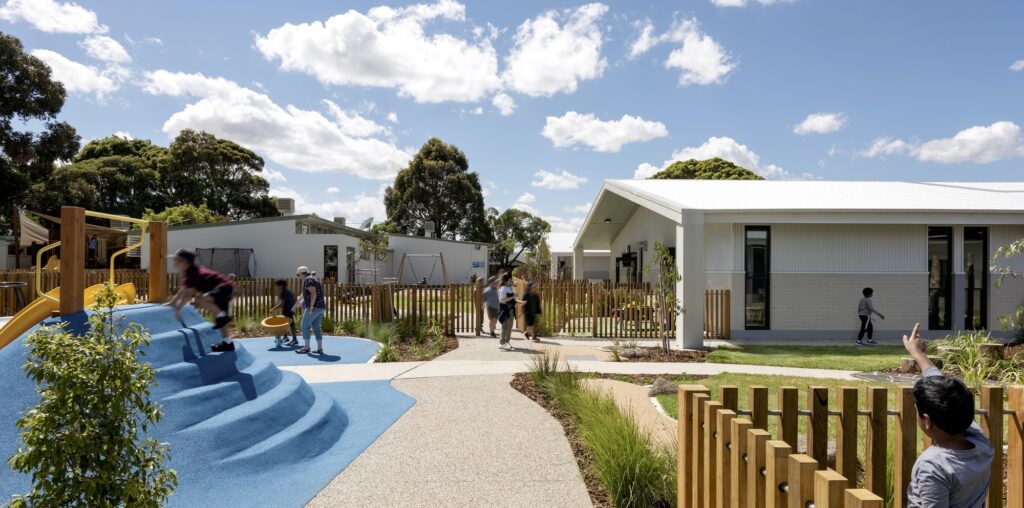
424, 281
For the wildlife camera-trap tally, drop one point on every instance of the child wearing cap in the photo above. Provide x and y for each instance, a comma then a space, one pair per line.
212, 291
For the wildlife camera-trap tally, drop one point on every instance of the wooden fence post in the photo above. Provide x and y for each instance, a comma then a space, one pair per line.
863, 498
710, 467
801, 480
684, 458
905, 434
157, 291
758, 400
817, 430
846, 433
723, 421
72, 259
756, 461
776, 473
697, 437
478, 308
790, 408
729, 397
740, 427
828, 489
992, 423
1015, 449
877, 448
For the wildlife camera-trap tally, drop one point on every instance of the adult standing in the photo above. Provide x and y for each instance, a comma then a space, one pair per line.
531, 309
491, 303
92, 245
506, 311
315, 307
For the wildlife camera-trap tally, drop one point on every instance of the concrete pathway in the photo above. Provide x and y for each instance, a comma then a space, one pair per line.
633, 399
468, 442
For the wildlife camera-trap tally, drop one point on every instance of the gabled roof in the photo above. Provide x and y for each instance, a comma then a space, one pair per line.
307, 218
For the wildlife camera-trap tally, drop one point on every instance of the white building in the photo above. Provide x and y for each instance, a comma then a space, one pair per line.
795, 255
596, 262
275, 246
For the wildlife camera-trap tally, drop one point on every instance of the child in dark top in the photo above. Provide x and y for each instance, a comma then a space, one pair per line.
531, 310
287, 302
212, 291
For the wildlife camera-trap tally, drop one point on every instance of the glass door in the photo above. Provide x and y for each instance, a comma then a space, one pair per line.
975, 278
940, 266
757, 267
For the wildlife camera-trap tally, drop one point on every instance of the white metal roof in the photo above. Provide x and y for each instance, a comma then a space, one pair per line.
827, 196
561, 243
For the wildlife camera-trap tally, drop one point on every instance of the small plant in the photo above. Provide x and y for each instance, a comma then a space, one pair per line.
328, 325
632, 344
387, 353
616, 357
83, 443
961, 352
382, 332
352, 327
244, 324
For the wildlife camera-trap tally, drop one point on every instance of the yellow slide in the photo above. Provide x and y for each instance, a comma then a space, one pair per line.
42, 307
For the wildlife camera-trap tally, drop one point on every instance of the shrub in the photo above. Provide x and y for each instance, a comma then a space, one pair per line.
387, 353
244, 324
82, 442
328, 325
382, 332
961, 352
353, 327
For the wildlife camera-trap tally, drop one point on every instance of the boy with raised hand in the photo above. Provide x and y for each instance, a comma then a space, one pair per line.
955, 471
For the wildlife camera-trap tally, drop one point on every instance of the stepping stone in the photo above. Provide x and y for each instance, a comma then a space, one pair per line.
581, 358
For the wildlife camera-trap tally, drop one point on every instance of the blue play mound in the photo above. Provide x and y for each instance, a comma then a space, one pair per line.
242, 432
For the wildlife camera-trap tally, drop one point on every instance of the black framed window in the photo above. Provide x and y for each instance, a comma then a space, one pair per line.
940, 274
757, 278
975, 278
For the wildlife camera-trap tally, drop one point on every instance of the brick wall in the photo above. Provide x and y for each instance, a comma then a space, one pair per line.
825, 301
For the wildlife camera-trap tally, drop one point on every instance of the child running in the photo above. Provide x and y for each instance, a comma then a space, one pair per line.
955, 471
286, 301
212, 291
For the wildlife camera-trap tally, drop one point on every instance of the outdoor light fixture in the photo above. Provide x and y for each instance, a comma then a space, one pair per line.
607, 221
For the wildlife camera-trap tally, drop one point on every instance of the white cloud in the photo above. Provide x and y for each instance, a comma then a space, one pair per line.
104, 48
821, 123
353, 124
83, 79
273, 175
124, 135
557, 181
333, 190
393, 117
52, 17
584, 208
603, 136
388, 47
978, 144
505, 103
700, 58
297, 138
556, 50
479, 110
1017, 66
558, 224
360, 207
728, 149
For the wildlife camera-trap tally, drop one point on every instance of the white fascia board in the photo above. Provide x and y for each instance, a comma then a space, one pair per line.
833, 217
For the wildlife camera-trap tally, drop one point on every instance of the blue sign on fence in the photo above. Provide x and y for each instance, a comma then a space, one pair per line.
478, 264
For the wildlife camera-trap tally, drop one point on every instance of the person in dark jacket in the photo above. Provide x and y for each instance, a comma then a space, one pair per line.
287, 302
211, 290
531, 311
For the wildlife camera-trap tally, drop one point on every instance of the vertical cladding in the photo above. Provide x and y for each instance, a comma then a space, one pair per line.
1004, 299
838, 248
1000, 236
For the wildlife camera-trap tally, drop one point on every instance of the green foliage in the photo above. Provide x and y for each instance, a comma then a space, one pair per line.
709, 169
812, 357
328, 325
376, 250
437, 186
386, 228
29, 98
387, 353
515, 231
83, 441
382, 332
183, 215
1015, 320
244, 324
960, 352
666, 303
636, 471
353, 327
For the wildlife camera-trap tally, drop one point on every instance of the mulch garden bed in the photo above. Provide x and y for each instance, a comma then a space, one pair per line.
409, 351
658, 355
598, 494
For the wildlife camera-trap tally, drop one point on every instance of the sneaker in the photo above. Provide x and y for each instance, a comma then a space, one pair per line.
292, 342
859, 343
534, 339
871, 342
303, 351
222, 347
319, 351
506, 347
494, 335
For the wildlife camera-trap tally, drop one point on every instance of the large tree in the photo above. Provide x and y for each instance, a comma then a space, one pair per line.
28, 96
709, 169
223, 175
438, 186
515, 231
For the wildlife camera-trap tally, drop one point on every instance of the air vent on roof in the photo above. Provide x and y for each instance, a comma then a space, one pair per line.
286, 206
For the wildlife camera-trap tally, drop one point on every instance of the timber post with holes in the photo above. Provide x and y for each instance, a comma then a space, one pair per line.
725, 459
72, 260
157, 262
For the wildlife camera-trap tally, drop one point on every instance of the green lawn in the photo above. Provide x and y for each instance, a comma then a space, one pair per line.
815, 357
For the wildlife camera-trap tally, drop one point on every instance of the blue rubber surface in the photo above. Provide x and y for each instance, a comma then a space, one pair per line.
337, 350
242, 432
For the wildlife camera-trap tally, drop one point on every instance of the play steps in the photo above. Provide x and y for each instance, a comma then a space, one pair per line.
230, 408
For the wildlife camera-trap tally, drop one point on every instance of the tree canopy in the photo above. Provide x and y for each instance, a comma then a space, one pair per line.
437, 186
515, 231
708, 169
28, 94
183, 215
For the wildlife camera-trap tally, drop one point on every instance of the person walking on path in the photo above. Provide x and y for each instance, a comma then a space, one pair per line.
491, 303
507, 311
865, 308
314, 307
531, 309
287, 302
213, 292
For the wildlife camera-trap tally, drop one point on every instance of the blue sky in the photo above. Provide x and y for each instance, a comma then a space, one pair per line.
549, 99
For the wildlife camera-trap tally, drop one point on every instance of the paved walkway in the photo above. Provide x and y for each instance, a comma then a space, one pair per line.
458, 447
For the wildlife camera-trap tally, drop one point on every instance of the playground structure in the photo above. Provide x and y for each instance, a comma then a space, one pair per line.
407, 259
72, 296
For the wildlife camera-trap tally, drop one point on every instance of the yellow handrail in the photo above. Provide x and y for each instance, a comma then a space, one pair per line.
39, 270
144, 224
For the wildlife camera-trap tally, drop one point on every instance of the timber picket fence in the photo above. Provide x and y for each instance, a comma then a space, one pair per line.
727, 457
569, 308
